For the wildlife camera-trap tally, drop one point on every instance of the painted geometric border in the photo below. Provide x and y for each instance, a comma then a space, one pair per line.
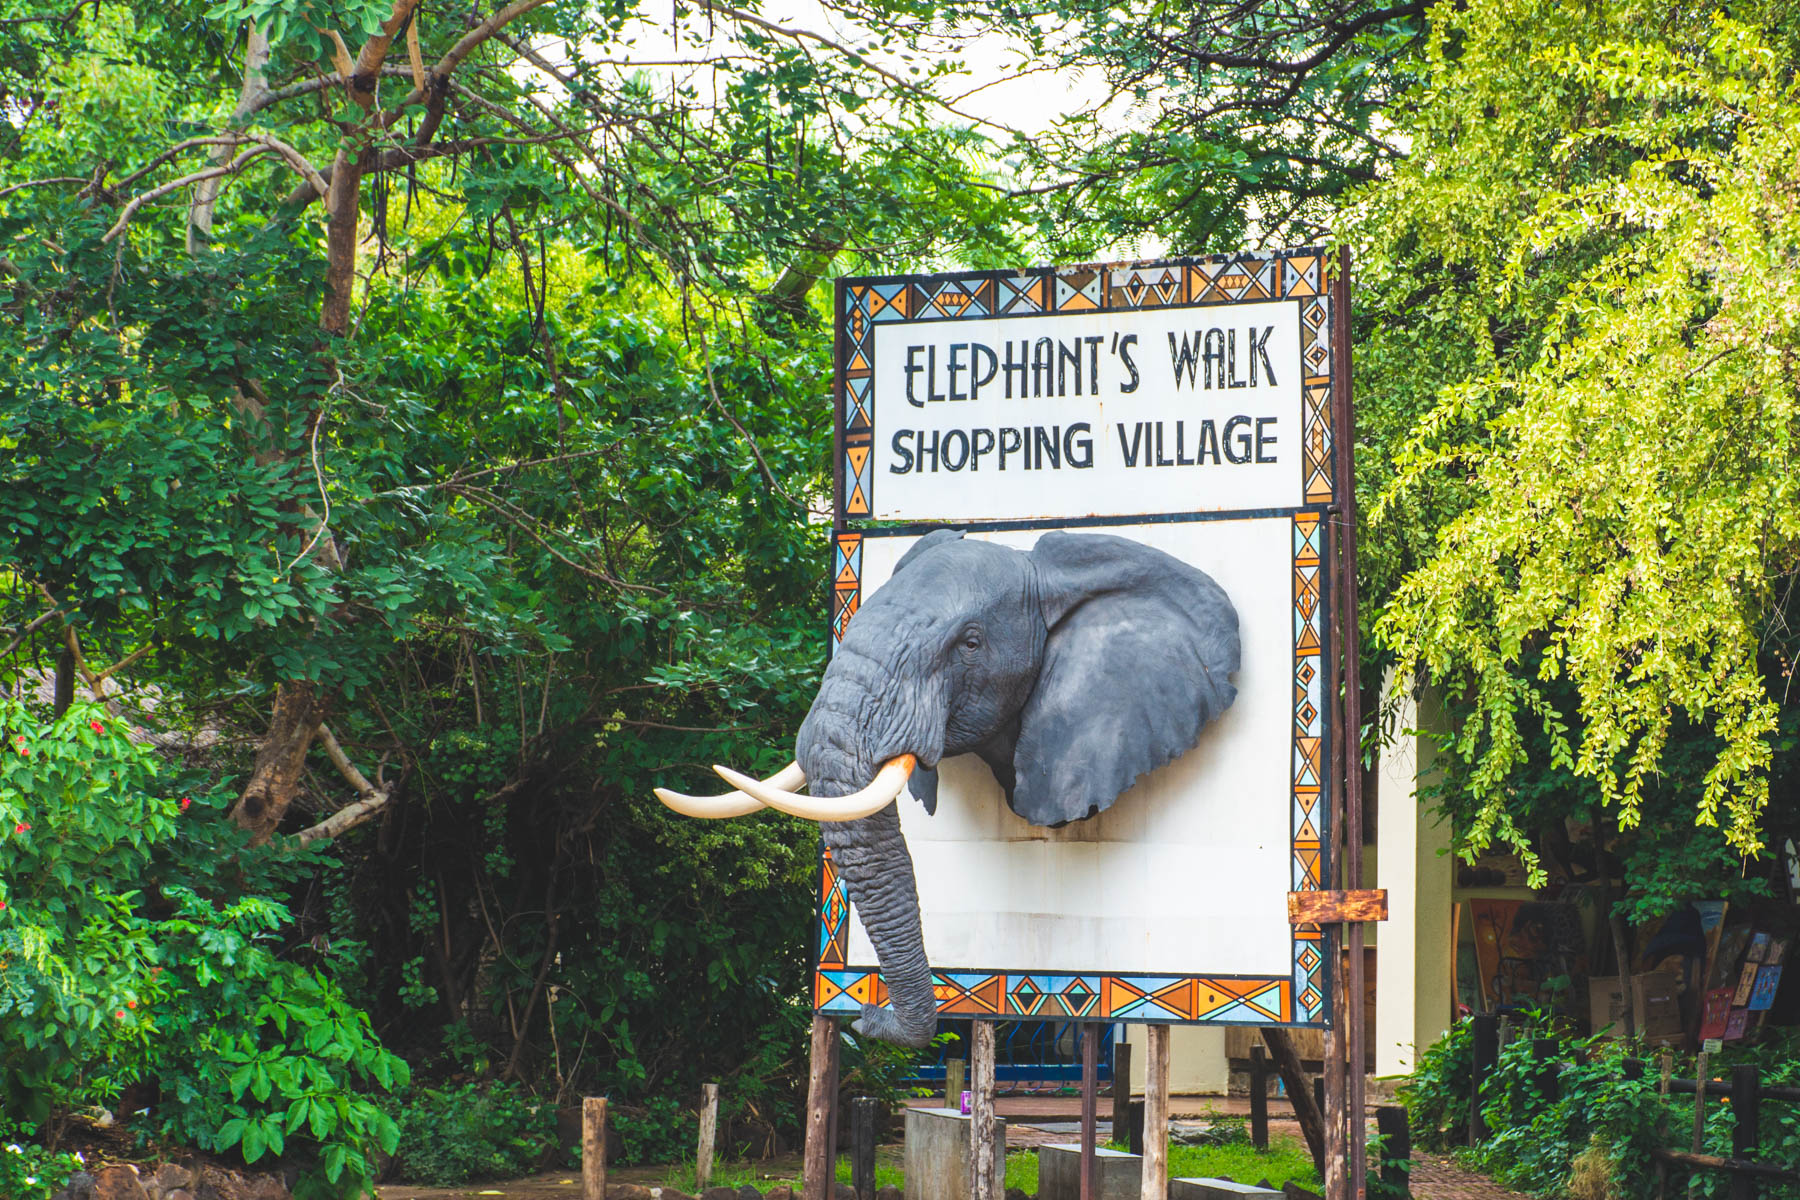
865, 302
1299, 999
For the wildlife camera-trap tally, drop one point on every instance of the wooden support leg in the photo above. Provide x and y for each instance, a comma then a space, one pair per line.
1337, 1159
1300, 1093
1121, 1091
1259, 1098
986, 1172
1156, 1114
1090, 1110
817, 1167
709, 1127
593, 1148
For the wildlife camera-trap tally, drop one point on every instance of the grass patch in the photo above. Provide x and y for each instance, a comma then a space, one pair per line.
1286, 1159
735, 1175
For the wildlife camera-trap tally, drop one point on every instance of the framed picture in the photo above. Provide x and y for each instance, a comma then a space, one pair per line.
1746, 984
1762, 996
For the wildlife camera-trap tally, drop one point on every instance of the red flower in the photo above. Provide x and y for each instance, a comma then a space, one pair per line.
131, 1004
120, 1015
185, 801
21, 827
96, 726
2, 904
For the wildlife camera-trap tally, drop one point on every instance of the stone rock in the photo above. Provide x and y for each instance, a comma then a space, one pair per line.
170, 1176
748, 1192
890, 1192
783, 1192
265, 1187
79, 1187
119, 1182
1017, 1194
670, 1194
627, 1191
719, 1193
179, 1194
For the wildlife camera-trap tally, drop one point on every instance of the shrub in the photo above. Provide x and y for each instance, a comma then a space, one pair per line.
472, 1132
1437, 1095
116, 968
1594, 1140
28, 1171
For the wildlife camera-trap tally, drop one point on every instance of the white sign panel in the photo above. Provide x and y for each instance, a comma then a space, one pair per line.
1166, 410
1120, 893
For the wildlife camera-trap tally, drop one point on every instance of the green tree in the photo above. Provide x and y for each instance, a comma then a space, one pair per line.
1606, 191
417, 425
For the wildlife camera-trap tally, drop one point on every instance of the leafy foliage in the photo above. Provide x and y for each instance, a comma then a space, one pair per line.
29, 1171
106, 984
1595, 1135
1436, 1095
1641, 406
472, 1131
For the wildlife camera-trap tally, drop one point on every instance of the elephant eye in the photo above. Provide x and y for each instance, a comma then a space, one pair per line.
971, 640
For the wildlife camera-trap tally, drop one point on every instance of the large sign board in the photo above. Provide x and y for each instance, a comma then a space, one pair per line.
1186, 404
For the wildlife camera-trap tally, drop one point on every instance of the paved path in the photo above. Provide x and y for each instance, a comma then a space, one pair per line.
1437, 1178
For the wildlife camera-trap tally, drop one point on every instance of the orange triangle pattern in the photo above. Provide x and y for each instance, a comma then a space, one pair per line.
1195, 999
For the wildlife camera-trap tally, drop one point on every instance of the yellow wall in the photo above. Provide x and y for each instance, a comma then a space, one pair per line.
1412, 1004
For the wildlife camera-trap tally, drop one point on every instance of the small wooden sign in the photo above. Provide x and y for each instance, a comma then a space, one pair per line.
1332, 908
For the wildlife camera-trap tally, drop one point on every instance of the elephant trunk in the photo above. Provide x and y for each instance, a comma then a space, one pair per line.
873, 861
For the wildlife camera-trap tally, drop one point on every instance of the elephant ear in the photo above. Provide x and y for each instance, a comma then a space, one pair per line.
1140, 651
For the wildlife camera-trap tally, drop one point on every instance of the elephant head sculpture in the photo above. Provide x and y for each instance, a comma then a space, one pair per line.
1071, 670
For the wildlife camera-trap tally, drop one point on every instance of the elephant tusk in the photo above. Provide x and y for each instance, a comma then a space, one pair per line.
732, 804
878, 795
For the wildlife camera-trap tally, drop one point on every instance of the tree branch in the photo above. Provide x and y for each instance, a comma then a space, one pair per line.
142, 198
370, 799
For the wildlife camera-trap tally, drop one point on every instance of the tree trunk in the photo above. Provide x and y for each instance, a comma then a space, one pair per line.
299, 709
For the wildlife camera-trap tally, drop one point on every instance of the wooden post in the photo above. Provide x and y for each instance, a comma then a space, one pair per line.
1156, 1113
817, 1166
954, 1083
1134, 1127
1396, 1146
1700, 1065
1746, 1111
593, 1148
1090, 1110
1337, 1093
1299, 1092
1259, 1098
864, 1112
1121, 1097
1549, 1082
1486, 1055
987, 1174
709, 1127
